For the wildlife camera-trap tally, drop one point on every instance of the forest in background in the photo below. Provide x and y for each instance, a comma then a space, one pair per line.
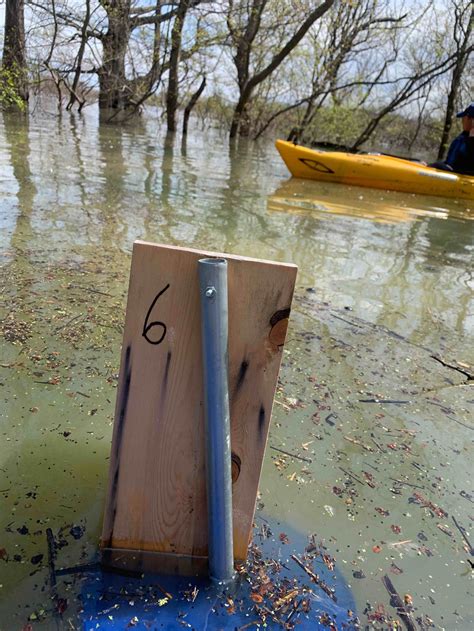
378, 73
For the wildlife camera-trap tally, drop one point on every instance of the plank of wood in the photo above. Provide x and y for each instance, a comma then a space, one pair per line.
157, 488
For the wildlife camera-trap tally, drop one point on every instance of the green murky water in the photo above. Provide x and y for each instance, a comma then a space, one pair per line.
375, 391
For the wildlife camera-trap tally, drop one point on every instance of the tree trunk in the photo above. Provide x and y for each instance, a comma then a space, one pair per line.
192, 102
458, 70
114, 95
172, 94
14, 58
240, 120
448, 120
73, 96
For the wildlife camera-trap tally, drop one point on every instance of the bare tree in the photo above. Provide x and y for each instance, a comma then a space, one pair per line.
243, 26
131, 46
349, 42
462, 36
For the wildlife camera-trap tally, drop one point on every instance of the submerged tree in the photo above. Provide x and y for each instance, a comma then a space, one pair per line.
176, 38
130, 46
117, 91
13, 77
297, 62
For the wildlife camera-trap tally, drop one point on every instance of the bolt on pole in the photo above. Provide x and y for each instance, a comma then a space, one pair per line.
215, 334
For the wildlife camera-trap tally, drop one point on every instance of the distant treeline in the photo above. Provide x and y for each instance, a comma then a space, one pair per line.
354, 72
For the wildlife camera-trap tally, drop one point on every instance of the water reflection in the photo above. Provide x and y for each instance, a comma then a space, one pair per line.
306, 197
402, 254
17, 151
113, 177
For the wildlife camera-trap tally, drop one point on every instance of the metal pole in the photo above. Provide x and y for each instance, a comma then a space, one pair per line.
214, 318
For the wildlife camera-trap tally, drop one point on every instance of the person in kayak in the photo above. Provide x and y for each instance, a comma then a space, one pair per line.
460, 158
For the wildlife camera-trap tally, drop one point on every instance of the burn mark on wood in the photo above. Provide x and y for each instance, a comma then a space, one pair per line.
261, 420
167, 369
242, 372
279, 315
124, 397
164, 383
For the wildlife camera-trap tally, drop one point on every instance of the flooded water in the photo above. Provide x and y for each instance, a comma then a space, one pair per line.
376, 396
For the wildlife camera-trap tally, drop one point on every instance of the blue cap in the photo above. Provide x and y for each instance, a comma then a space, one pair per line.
469, 111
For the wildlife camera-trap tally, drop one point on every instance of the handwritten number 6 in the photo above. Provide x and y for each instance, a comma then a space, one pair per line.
148, 326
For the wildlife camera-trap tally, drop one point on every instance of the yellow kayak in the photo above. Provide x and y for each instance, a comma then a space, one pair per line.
374, 171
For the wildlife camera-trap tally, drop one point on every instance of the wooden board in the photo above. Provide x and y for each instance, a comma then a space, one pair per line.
156, 499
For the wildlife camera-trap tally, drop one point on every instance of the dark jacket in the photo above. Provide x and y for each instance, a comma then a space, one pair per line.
461, 154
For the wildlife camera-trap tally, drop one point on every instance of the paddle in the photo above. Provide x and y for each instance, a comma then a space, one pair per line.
337, 147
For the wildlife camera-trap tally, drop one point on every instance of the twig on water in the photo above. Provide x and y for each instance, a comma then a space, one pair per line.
460, 422
51, 558
63, 326
415, 486
355, 441
314, 577
397, 602
382, 401
377, 444
463, 534
287, 453
351, 475
91, 290
78, 569
467, 373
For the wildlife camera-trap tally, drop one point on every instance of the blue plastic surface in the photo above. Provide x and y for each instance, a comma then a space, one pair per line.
117, 602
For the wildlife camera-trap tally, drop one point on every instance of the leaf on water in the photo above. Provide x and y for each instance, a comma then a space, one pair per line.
395, 569
408, 599
61, 605
230, 606
329, 510
445, 529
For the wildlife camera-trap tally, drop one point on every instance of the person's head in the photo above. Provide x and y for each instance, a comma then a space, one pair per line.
467, 116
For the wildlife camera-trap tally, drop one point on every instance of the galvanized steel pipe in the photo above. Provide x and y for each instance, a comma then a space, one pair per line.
215, 333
